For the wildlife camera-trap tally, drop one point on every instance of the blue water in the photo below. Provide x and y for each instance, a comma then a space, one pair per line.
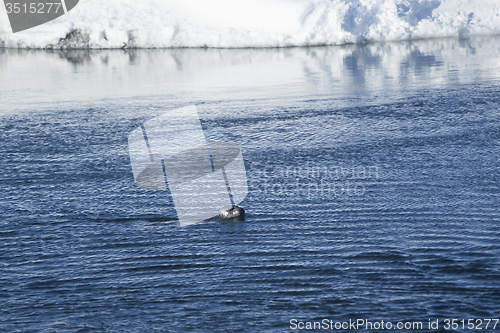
374, 188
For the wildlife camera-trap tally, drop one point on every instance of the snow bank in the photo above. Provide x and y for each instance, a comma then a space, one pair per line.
254, 23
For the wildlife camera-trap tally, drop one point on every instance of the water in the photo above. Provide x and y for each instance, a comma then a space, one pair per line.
373, 173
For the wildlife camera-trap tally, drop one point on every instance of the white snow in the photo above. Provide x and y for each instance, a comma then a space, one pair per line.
257, 23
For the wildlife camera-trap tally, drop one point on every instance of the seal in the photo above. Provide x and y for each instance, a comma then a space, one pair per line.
230, 212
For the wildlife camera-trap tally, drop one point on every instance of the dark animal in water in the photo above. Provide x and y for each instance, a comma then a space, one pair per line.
229, 212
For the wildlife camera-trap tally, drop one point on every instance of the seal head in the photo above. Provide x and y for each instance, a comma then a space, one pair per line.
231, 212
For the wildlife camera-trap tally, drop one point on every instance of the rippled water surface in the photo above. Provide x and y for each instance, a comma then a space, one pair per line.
373, 177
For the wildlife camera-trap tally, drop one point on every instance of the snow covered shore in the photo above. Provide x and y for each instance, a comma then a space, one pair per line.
254, 23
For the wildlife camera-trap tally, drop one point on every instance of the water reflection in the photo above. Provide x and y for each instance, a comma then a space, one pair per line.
215, 74
75, 57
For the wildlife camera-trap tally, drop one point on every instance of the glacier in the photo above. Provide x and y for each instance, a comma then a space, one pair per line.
105, 24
